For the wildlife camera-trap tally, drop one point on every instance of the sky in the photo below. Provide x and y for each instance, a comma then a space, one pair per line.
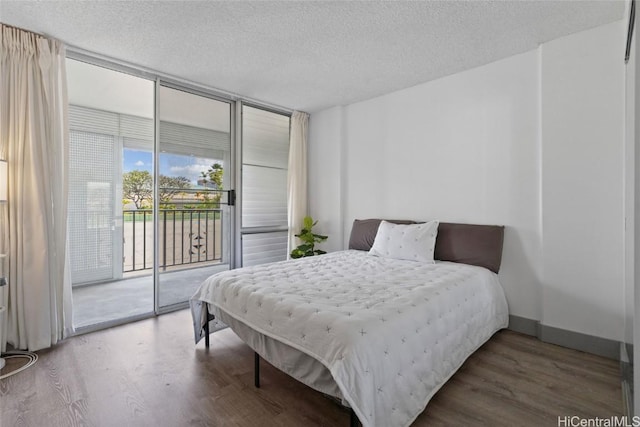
170, 164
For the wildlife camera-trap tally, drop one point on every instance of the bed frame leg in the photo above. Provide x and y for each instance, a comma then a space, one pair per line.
256, 369
353, 419
206, 326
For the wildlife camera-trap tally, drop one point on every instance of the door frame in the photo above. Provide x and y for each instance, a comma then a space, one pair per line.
229, 251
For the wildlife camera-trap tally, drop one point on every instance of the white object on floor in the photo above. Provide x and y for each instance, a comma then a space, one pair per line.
32, 358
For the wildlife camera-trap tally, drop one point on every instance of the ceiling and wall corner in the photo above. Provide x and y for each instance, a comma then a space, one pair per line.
309, 55
534, 142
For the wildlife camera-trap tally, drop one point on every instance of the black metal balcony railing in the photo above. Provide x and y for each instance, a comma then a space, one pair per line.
187, 236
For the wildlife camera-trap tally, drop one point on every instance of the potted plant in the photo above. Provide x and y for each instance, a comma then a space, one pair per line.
309, 240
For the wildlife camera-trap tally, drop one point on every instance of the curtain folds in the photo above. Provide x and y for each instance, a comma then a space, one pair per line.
34, 141
297, 177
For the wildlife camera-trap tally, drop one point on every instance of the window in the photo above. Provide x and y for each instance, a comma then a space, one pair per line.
265, 156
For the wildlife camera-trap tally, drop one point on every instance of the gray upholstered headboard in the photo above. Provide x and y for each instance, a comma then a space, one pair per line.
466, 243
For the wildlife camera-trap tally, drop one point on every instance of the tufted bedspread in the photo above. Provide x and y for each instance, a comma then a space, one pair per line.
391, 332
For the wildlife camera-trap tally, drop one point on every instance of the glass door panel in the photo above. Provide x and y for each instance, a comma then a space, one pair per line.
194, 171
110, 181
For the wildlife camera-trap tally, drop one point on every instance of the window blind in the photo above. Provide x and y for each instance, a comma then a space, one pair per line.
265, 157
137, 133
261, 248
91, 206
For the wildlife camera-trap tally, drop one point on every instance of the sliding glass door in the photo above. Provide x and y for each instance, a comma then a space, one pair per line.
111, 140
151, 200
150, 179
194, 178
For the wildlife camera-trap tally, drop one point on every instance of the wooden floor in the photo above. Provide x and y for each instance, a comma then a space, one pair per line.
150, 373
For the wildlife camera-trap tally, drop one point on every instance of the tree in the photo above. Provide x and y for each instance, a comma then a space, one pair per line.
171, 186
137, 186
212, 178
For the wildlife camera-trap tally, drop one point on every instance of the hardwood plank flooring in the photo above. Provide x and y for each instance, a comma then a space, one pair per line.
150, 373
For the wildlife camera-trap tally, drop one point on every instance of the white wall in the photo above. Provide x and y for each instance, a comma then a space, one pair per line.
325, 190
636, 294
470, 148
463, 149
629, 192
582, 181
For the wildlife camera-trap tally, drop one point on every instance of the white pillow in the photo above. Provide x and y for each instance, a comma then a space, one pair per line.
415, 242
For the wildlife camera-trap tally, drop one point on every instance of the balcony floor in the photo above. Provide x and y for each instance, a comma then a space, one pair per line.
131, 297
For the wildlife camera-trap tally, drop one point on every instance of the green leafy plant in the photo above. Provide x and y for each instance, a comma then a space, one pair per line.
212, 180
309, 240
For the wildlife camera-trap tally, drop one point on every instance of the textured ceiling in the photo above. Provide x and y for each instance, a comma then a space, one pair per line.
309, 55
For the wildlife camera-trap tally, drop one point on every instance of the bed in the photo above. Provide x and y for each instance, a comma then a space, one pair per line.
380, 334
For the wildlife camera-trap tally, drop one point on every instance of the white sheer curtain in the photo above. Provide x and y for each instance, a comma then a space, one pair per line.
297, 177
34, 139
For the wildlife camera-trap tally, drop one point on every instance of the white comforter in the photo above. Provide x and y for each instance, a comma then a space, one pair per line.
391, 332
